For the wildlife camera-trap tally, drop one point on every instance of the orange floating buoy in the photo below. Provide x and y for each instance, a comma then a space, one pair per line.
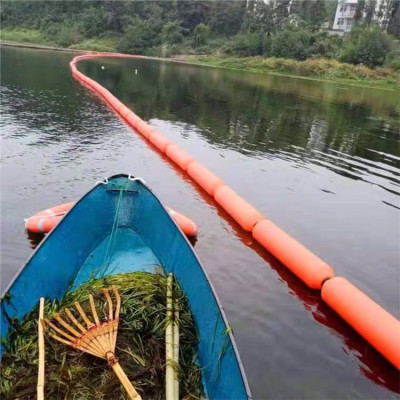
133, 119
369, 319
305, 265
144, 129
239, 209
114, 103
99, 89
178, 156
188, 227
204, 177
124, 110
159, 141
45, 221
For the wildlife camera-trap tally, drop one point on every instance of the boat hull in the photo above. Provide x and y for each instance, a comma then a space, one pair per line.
125, 228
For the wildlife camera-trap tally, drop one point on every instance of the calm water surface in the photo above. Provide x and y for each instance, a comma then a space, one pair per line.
320, 160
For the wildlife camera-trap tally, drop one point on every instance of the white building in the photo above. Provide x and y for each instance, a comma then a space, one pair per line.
344, 17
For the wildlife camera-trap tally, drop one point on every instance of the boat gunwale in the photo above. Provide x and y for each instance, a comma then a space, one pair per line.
220, 307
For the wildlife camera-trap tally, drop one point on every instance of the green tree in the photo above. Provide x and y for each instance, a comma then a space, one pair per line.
280, 12
370, 8
67, 35
258, 18
245, 45
327, 46
292, 42
138, 37
358, 16
384, 12
93, 22
201, 34
313, 12
331, 11
172, 32
226, 16
393, 27
367, 45
317, 14
192, 13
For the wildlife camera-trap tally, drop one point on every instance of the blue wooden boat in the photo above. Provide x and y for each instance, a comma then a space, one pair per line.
118, 227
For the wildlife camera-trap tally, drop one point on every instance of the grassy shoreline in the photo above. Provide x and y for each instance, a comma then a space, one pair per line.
322, 70
37, 46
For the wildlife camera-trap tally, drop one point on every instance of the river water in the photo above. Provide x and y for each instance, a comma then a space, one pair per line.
321, 160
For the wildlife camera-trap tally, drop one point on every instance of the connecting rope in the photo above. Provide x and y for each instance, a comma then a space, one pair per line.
105, 182
133, 179
113, 234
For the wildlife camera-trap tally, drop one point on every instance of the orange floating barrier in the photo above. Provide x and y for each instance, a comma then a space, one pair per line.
240, 210
178, 156
305, 265
45, 221
369, 319
124, 110
84, 79
100, 90
144, 129
133, 119
90, 82
159, 141
204, 177
114, 103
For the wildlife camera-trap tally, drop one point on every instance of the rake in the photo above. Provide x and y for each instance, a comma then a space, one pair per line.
98, 338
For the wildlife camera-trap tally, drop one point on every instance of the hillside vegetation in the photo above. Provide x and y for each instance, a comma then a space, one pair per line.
280, 34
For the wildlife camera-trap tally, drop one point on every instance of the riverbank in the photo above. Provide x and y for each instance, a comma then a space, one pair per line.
40, 47
34, 38
323, 70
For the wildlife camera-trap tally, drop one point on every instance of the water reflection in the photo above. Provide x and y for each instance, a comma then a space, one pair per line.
259, 115
34, 238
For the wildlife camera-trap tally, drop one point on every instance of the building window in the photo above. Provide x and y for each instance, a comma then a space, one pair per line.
341, 8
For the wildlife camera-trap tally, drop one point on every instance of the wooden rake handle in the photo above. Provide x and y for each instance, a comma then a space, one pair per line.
132, 393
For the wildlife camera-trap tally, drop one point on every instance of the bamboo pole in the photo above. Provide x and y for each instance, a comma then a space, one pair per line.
176, 350
169, 345
40, 383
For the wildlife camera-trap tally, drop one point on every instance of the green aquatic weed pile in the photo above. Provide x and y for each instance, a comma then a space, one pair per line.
71, 374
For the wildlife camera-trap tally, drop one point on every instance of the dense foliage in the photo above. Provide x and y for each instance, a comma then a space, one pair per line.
368, 46
295, 29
